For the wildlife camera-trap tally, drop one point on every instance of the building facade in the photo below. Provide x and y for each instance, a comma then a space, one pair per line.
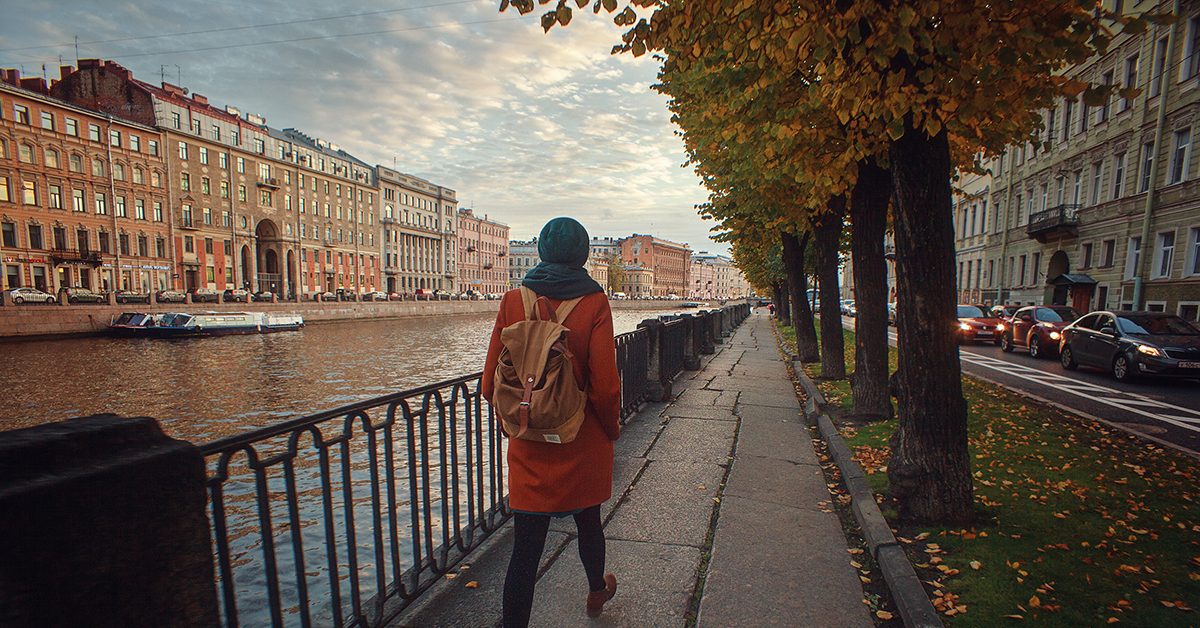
482, 254
711, 277
601, 253
971, 208
83, 196
420, 233
669, 262
522, 257
637, 282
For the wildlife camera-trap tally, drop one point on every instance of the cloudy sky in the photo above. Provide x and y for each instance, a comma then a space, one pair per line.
525, 126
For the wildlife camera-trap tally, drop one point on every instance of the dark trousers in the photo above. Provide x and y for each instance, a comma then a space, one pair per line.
528, 542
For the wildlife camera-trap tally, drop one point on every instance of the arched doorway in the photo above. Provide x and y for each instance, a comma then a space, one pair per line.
247, 268
291, 274
1059, 265
268, 249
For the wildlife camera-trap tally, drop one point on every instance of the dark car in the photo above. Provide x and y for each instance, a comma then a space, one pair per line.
83, 295
170, 296
975, 324
1133, 344
236, 294
200, 295
264, 296
129, 296
1038, 327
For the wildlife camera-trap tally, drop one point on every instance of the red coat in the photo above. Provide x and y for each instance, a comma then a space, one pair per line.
549, 477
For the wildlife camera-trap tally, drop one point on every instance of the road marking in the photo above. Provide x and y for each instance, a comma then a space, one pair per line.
1184, 418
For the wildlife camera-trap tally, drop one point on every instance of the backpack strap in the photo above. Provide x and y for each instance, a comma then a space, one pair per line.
529, 299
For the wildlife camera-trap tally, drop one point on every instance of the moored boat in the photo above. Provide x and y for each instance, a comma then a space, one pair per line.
134, 324
186, 324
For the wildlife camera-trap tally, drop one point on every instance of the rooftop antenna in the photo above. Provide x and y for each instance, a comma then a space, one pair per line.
162, 73
77, 50
178, 76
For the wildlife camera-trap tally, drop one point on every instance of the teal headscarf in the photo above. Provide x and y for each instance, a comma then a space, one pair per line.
563, 246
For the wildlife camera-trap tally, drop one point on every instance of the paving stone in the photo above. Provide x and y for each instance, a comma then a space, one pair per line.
696, 440
668, 505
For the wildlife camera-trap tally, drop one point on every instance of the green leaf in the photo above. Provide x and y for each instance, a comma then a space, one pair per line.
639, 48
581, 3
563, 14
548, 21
907, 17
609, 5
503, 5
895, 129
1135, 26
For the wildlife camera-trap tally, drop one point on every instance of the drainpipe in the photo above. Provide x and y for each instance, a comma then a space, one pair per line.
1160, 122
112, 190
1012, 171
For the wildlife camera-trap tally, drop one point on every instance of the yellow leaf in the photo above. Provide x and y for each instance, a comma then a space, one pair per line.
1113, 620
976, 565
884, 615
474, 584
1035, 602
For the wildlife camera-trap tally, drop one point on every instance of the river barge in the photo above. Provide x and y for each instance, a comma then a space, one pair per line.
188, 324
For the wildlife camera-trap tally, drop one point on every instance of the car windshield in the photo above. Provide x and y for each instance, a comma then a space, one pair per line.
1056, 314
1157, 326
969, 311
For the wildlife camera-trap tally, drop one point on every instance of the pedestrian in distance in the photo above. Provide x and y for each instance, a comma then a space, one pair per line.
771, 309
549, 479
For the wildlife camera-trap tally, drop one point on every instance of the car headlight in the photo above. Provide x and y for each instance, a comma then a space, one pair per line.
1149, 350
999, 326
1055, 335
964, 327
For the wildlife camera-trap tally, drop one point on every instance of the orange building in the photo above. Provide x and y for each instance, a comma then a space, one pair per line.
482, 254
669, 261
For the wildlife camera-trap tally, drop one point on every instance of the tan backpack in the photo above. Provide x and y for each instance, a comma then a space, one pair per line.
536, 395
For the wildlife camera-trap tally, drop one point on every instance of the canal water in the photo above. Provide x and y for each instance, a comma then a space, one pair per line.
201, 389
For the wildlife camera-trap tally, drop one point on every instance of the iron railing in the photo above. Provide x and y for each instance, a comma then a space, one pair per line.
344, 517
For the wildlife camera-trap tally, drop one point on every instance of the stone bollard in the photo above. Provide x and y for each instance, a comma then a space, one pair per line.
706, 339
105, 526
691, 344
658, 387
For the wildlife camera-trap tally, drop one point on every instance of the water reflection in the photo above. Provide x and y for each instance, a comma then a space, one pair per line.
201, 389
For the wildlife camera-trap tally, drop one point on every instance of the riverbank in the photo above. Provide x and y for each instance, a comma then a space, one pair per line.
39, 322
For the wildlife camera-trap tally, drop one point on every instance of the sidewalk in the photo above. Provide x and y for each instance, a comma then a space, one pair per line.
717, 493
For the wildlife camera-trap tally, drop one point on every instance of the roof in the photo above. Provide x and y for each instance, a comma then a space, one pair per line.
1067, 279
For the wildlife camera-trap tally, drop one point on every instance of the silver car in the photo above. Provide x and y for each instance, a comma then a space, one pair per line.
30, 295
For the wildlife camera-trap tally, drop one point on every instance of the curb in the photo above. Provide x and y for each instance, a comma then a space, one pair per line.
916, 611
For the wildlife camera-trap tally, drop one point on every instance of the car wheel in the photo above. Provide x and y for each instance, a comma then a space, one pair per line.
1121, 368
1068, 359
18, 300
72, 300
1035, 347
122, 301
1006, 343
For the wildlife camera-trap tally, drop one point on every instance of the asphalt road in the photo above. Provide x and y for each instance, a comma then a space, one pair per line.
1164, 411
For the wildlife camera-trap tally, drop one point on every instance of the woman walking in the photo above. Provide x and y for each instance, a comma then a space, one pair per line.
546, 479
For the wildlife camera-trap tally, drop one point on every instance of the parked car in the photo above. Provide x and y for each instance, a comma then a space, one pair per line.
200, 295
325, 296
1038, 327
129, 296
264, 295
83, 295
892, 314
236, 294
423, 294
375, 296
30, 295
976, 323
1133, 344
170, 296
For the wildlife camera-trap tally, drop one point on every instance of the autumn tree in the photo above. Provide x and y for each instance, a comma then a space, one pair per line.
903, 80
616, 273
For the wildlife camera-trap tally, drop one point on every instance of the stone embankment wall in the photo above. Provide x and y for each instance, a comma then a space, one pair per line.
32, 321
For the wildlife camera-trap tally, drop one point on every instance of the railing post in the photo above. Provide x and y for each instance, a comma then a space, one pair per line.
691, 343
706, 335
658, 386
107, 512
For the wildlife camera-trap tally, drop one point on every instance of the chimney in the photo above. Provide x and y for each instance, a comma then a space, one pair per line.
35, 84
87, 64
64, 71
203, 100
12, 77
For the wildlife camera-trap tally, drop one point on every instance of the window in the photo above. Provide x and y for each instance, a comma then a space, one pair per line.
119, 171
35, 237
101, 204
1102, 110
228, 247
135, 143
72, 126
264, 198
1133, 257
185, 181
1191, 51
241, 165
4, 190
1147, 165
223, 161
1160, 62
94, 132
216, 131
189, 244
119, 206
187, 215
183, 150
1179, 155
25, 153
208, 248
153, 147
143, 246
160, 247
204, 155
75, 163
55, 196
48, 120
156, 179
9, 231
235, 137
196, 127
204, 185
138, 175
224, 189
139, 209
264, 171
21, 113
1085, 255
259, 146
1164, 254
78, 203
158, 213
1118, 181
1021, 282
242, 193
175, 119
29, 192
123, 242
97, 168
51, 158
102, 239
1066, 123
1108, 253
114, 137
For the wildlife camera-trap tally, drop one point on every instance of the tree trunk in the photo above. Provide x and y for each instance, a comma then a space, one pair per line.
802, 318
828, 236
868, 223
781, 304
929, 472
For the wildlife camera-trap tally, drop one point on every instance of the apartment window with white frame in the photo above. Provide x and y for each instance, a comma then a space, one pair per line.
1133, 257
1191, 51
1181, 151
48, 120
1085, 255
183, 151
1147, 166
1160, 61
1164, 254
1193, 252
1097, 169
1068, 109
1118, 180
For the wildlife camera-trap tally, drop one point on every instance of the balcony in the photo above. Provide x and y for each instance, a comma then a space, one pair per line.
1056, 223
271, 183
388, 220
65, 256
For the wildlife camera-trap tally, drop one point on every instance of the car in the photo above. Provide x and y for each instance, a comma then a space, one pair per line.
848, 307
375, 296
129, 296
30, 295
892, 314
264, 295
82, 295
236, 294
1133, 344
325, 296
1038, 327
975, 323
200, 295
170, 296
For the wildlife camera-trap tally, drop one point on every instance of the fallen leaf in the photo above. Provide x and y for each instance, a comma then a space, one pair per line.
1035, 602
451, 576
976, 565
884, 615
474, 584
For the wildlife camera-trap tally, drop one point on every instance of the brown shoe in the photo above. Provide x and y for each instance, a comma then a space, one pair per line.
596, 599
